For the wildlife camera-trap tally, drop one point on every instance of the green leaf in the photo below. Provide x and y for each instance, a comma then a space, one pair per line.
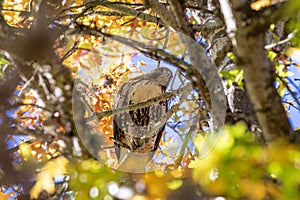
231, 56
235, 75
4, 61
272, 55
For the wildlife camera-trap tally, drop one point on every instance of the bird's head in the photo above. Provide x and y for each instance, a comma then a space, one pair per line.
162, 76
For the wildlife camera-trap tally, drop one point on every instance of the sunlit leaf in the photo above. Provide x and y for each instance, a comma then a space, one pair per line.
52, 168
231, 56
3, 61
88, 174
160, 188
175, 184
235, 75
238, 165
294, 54
5, 196
257, 5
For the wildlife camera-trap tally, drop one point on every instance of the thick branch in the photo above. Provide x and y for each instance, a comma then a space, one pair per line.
164, 13
259, 74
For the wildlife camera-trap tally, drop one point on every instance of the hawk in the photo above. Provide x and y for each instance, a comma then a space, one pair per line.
137, 133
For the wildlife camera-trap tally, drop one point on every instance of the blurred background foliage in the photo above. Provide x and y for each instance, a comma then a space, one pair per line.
239, 167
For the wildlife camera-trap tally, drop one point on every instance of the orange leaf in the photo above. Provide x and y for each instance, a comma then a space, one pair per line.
257, 5
5, 196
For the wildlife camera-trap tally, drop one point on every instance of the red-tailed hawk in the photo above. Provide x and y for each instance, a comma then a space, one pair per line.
137, 133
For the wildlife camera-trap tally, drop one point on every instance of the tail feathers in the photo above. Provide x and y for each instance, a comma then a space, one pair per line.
133, 162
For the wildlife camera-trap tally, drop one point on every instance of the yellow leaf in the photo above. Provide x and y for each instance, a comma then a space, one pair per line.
25, 150
44, 181
175, 184
294, 53
5, 196
198, 141
142, 63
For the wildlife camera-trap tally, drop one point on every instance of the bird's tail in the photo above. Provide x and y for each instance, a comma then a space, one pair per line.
133, 162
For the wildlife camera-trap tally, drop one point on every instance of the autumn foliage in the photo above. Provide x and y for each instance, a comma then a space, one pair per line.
99, 46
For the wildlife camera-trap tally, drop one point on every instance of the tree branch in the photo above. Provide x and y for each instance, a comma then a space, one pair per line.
259, 73
100, 115
163, 13
127, 11
176, 20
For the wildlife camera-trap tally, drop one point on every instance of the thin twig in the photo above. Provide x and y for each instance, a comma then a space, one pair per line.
165, 44
12, 10
120, 8
231, 26
289, 37
29, 81
100, 115
151, 51
290, 90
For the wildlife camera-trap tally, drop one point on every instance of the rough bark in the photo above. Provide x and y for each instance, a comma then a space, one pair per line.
259, 71
210, 18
